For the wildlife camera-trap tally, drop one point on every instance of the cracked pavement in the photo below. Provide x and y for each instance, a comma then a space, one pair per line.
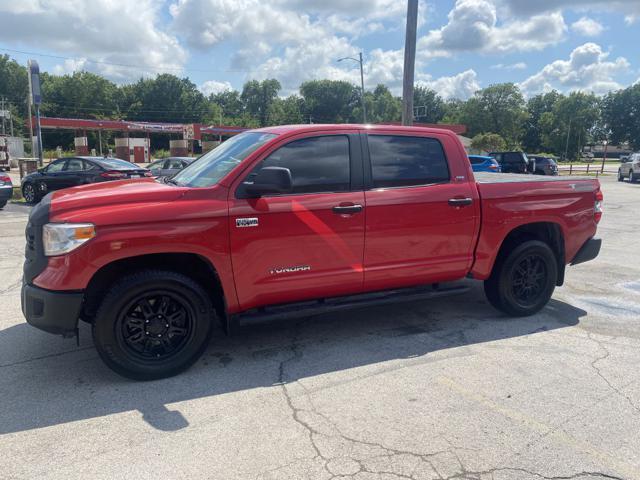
444, 389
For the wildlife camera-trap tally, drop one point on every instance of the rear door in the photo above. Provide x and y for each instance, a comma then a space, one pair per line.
422, 211
309, 243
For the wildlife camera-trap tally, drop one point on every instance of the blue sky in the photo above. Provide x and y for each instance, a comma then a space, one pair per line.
463, 45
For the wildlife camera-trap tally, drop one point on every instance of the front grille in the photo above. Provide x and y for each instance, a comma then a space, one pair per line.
35, 260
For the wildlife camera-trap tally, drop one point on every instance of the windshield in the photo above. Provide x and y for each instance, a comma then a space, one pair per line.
211, 167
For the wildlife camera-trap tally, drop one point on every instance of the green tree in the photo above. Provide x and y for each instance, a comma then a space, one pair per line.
382, 106
14, 89
285, 111
230, 103
329, 101
488, 142
498, 108
257, 98
428, 105
570, 124
536, 107
621, 115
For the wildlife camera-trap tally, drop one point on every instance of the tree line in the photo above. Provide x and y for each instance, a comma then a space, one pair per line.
496, 117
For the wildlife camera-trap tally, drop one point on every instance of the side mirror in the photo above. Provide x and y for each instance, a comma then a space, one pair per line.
270, 180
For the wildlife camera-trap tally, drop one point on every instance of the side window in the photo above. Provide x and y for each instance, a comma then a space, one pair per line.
317, 164
176, 163
74, 165
55, 166
398, 161
476, 160
513, 158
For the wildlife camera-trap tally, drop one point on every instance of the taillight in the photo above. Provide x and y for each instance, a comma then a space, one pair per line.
597, 208
113, 175
493, 167
148, 174
5, 179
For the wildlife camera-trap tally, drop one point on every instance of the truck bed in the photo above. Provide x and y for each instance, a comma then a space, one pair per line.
489, 177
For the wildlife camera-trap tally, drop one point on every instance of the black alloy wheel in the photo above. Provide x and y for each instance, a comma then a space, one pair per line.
155, 325
528, 280
29, 193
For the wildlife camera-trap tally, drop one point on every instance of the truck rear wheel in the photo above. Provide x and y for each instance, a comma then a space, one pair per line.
523, 280
153, 324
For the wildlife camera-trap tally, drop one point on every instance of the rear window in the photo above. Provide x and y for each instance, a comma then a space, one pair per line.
116, 164
398, 161
479, 160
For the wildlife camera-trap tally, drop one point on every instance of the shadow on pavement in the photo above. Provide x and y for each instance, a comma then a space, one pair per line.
72, 384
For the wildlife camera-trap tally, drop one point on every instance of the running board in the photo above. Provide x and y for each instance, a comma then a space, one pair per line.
337, 304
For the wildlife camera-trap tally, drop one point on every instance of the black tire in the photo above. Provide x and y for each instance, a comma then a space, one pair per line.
620, 176
632, 177
30, 193
2, 204
523, 279
153, 324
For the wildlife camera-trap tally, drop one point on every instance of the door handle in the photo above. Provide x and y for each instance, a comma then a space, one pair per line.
347, 209
460, 202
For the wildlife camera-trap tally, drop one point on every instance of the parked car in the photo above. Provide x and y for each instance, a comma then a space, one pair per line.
630, 168
73, 171
481, 163
169, 166
6, 189
291, 221
543, 165
513, 162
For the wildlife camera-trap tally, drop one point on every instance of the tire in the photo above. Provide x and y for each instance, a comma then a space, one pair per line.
620, 176
523, 279
30, 193
632, 177
2, 204
153, 324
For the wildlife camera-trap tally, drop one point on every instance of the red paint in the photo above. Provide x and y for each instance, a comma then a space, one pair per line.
402, 237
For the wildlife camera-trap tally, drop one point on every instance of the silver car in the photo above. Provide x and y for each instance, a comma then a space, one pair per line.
630, 168
165, 167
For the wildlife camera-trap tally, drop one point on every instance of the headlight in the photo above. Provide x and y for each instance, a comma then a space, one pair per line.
59, 238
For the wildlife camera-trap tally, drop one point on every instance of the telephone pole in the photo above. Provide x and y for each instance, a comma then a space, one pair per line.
409, 62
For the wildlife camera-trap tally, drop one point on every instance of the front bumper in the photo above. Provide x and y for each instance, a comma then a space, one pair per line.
51, 311
588, 251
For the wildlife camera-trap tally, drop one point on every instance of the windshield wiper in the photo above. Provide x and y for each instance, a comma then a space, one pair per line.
172, 182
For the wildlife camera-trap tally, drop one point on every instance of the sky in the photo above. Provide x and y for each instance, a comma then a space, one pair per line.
463, 45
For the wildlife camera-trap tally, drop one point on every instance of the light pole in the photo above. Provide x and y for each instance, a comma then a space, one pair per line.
359, 60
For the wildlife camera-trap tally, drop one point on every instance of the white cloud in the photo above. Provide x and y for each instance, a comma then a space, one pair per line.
588, 69
462, 85
113, 31
528, 7
214, 86
587, 27
509, 66
473, 26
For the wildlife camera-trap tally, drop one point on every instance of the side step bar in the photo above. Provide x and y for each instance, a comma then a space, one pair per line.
336, 304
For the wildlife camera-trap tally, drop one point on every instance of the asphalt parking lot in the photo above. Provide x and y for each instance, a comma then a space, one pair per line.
446, 389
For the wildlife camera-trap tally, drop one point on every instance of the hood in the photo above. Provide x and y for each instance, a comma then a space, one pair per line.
119, 194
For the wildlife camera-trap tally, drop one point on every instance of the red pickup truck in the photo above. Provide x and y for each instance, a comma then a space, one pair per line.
294, 220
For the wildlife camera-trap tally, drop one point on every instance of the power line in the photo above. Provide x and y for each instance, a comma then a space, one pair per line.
136, 67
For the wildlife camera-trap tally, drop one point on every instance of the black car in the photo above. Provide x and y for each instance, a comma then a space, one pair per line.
513, 162
73, 171
544, 165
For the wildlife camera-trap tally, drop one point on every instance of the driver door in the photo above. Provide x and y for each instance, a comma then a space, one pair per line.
304, 244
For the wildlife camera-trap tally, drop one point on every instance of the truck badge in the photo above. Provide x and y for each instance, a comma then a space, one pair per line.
246, 222
298, 268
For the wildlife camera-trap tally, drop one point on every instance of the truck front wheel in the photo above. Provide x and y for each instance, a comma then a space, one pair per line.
153, 324
523, 279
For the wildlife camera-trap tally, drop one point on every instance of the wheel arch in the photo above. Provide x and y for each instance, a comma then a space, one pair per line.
192, 265
550, 233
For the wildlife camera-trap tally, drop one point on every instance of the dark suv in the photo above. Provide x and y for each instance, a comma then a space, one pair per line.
543, 165
513, 162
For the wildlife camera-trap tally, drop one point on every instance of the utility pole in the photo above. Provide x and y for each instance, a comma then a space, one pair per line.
3, 114
359, 60
566, 147
409, 62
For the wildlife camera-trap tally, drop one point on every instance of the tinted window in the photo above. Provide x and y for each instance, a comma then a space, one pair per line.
477, 160
513, 158
317, 164
74, 165
116, 164
175, 163
55, 166
404, 161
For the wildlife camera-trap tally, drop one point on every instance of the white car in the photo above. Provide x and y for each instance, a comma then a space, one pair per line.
630, 168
